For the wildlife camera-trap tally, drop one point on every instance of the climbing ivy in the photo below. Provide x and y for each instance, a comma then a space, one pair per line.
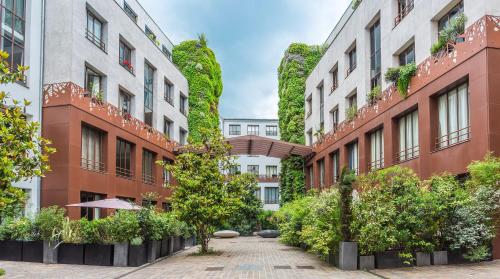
198, 64
297, 63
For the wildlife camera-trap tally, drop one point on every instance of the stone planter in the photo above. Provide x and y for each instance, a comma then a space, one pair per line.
422, 259
98, 254
153, 250
348, 255
137, 254
439, 258
172, 243
120, 254
165, 247
50, 252
70, 253
333, 258
389, 259
367, 262
33, 251
11, 250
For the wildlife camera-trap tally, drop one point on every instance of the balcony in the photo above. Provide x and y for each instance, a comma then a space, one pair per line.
148, 179
95, 40
268, 178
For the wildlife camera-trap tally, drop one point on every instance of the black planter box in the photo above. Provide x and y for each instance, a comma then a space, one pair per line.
99, 254
33, 251
137, 255
456, 257
70, 253
183, 243
389, 259
11, 250
177, 243
165, 247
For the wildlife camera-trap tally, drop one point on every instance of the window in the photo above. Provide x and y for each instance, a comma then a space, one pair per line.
335, 119
453, 114
335, 79
151, 35
309, 106
352, 101
408, 137
148, 163
167, 127
272, 171
352, 60
129, 12
253, 130
375, 56
404, 8
271, 195
452, 14
168, 95
321, 168
125, 103
377, 150
92, 150
13, 31
352, 157
183, 105
125, 57
87, 212
335, 166
93, 82
271, 131
258, 194
234, 130
321, 107
166, 174
234, 169
148, 94
94, 31
123, 158
310, 137
311, 177
253, 169
407, 56
167, 53
182, 136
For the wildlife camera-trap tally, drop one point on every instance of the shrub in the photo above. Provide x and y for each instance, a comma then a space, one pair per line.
290, 218
71, 231
265, 220
392, 75
124, 226
23, 229
2, 272
150, 224
449, 33
96, 231
374, 95
49, 222
351, 112
406, 72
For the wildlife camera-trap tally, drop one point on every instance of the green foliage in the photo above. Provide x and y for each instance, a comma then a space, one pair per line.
392, 74
124, 226
204, 197
290, 218
347, 178
12, 202
96, 231
355, 4
2, 272
374, 95
71, 231
49, 222
485, 173
351, 113
406, 72
199, 65
297, 63
21, 229
449, 33
265, 220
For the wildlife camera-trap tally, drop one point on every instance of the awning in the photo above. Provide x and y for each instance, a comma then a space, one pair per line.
255, 145
107, 203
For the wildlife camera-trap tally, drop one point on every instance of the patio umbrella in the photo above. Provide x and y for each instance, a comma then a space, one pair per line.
107, 203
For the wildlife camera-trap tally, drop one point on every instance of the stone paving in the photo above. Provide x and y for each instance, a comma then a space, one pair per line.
246, 258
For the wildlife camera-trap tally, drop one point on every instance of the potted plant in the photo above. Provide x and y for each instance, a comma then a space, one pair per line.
96, 235
348, 250
24, 230
70, 248
137, 252
374, 95
10, 250
124, 228
48, 223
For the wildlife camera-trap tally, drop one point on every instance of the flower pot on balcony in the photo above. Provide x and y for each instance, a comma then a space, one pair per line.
50, 252
99, 254
422, 259
120, 254
153, 250
439, 258
70, 253
348, 255
11, 250
165, 247
367, 262
389, 259
137, 254
33, 251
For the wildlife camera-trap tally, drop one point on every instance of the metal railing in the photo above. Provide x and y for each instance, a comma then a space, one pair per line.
148, 179
124, 173
127, 65
350, 70
95, 40
453, 138
92, 165
334, 86
407, 154
169, 99
376, 164
403, 13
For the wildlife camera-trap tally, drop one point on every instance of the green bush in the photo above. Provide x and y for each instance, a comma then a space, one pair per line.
290, 218
449, 33
265, 220
2, 272
49, 222
23, 229
351, 113
124, 226
406, 72
71, 231
97, 231
392, 75
374, 95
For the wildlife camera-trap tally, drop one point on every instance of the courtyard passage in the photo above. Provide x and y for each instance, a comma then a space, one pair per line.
244, 257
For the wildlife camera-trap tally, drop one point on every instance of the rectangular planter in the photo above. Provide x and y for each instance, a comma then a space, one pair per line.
422, 259
366, 262
98, 254
389, 259
11, 250
153, 250
439, 258
50, 252
137, 254
456, 257
348, 255
165, 247
333, 258
70, 253
120, 254
33, 251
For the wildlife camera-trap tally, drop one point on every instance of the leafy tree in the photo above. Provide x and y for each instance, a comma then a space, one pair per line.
204, 196
23, 152
347, 178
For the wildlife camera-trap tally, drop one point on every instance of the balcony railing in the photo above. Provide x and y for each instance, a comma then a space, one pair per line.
376, 164
403, 13
268, 178
169, 99
124, 173
334, 86
148, 179
127, 65
350, 70
95, 40
92, 165
407, 154
453, 138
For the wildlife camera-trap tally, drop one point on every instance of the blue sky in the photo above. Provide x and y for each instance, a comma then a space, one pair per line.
249, 38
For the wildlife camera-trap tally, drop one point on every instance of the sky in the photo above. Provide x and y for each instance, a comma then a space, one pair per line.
249, 38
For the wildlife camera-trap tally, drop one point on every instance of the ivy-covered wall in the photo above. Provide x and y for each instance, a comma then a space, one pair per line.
297, 63
200, 67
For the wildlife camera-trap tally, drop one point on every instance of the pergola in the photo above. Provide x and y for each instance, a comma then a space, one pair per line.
255, 145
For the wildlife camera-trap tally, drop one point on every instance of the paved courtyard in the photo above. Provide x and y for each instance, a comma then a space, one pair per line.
245, 257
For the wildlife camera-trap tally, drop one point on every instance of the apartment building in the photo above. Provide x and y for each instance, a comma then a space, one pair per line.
447, 119
22, 39
114, 103
266, 169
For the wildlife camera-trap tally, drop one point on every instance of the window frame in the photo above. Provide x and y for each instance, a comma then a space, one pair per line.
376, 149
168, 92
408, 131
183, 104
130, 12
271, 171
234, 132
148, 166
96, 39
375, 55
271, 130
256, 131
461, 134
14, 42
122, 169
253, 169
124, 102
405, 54
92, 160
271, 195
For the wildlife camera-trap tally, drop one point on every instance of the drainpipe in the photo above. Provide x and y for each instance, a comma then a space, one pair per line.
40, 95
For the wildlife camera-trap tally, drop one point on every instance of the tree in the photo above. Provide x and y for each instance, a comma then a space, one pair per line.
204, 196
23, 152
347, 178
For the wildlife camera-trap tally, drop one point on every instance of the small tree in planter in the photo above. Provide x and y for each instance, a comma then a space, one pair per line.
124, 228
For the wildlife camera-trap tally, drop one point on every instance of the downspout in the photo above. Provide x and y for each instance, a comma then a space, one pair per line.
40, 95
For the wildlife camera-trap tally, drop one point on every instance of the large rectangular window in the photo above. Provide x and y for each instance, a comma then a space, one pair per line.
183, 104
271, 195
125, 57
452, 14
92, 149
93, 82
166, 174
148, 93
335, 157
408, 137
168, 95
94, 31
352, 157
13, 31
182, 136
234, 130
125, 103
404, 8
321, 168
375, 56
453, 114
321, 92
253, 169
352, 60
335, 79
377, 150
167, 127
335, 119
272, 171
271, 130
123, 158
407, 56
253, 130
87, 212
148, 164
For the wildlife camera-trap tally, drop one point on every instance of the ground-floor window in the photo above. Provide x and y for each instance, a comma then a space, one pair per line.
352, 156
377, 149
271, 195
90, 213
453, 115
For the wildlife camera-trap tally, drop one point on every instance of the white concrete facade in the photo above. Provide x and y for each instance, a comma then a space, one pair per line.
32, 87
69, 51
418, 27
267, 182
